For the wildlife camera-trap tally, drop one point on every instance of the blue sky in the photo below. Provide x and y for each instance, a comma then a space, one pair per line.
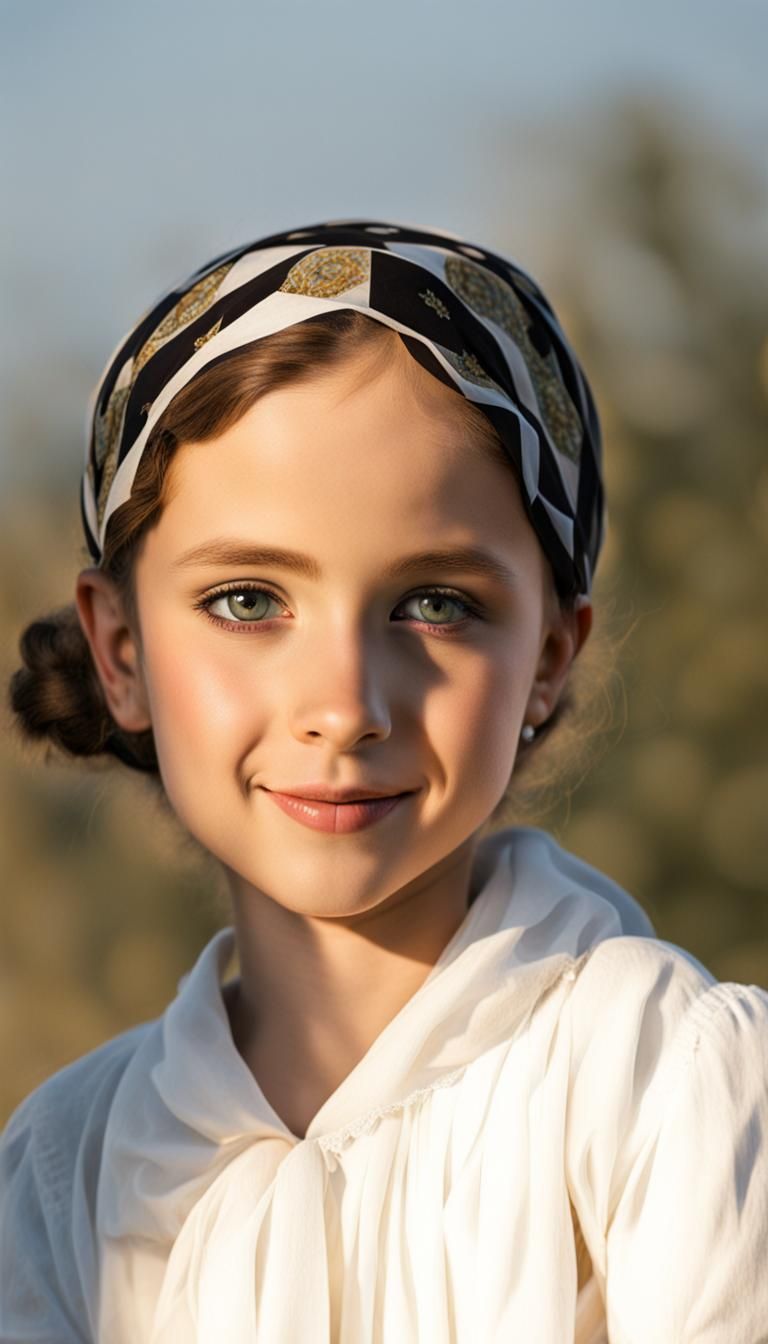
141, 139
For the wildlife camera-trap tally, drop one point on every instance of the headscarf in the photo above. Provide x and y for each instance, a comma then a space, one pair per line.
473, 318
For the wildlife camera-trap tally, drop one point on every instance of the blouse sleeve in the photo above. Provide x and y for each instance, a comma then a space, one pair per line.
50, 1156
33, 1299
671, 1175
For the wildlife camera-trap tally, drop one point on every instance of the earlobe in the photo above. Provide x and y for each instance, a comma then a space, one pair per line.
113, 648
563, 641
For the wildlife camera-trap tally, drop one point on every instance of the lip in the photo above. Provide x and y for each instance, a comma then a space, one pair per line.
323, 793
339, 818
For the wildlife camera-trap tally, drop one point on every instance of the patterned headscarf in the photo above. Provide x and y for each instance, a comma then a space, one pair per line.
471, 317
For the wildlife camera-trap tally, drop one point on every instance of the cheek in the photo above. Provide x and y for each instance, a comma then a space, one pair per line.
211, 705
473, 721
201, 705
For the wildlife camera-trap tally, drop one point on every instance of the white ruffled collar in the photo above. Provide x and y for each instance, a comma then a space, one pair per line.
187, 1101
196, 1158
537, 909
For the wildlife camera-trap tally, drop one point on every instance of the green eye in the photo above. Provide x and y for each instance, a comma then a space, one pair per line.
248, 604
440, 603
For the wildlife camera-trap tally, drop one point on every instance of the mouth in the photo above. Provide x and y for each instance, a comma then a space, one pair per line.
340, 818
320, 793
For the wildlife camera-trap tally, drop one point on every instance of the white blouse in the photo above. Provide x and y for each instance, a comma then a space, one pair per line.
562, 1136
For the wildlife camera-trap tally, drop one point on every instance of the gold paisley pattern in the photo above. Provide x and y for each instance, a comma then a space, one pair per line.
201, 340
109, 425
470, 368
328, 272
189, 307
106, 436
432, 301
490, 297
523, 282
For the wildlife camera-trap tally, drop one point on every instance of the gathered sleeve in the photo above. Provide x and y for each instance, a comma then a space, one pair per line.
35, 1241
667, 1145
50, 1154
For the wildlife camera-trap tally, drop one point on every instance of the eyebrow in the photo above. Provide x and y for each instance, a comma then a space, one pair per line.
464, 559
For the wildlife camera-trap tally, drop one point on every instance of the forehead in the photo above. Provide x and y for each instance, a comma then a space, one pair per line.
379, 430
360, 465
358, 474
379, 393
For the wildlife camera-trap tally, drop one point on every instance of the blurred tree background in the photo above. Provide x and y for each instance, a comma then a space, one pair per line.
667, 287
658, 271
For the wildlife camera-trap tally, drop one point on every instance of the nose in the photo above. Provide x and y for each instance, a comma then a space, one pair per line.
341, 695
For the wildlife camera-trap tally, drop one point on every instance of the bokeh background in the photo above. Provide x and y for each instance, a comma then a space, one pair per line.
619, 153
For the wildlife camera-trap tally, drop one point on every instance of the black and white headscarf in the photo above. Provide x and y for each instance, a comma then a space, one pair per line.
471, 317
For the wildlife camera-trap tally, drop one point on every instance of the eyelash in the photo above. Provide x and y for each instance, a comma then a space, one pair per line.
204, 604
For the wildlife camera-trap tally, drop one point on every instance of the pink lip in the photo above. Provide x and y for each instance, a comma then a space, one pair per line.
340, 818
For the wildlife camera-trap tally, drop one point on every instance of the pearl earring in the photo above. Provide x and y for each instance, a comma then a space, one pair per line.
528, 732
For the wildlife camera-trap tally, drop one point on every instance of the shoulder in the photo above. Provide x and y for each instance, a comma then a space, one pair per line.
50, 1154
667, 1142
59, 1114
631, 965
608, 907
641, 1000
647, 1025
667, 1115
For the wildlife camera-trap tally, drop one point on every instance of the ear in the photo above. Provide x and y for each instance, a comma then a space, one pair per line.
115, 649
563, 637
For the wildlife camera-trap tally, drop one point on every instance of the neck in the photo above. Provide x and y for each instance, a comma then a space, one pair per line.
315, 992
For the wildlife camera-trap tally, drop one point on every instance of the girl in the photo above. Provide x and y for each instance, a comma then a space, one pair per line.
343, 505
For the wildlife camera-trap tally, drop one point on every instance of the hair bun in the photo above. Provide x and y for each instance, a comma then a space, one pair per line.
57, 695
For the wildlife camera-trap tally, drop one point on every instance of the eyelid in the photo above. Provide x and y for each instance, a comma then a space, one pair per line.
474, 609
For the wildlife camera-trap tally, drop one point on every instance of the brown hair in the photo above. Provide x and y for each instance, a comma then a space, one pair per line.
57, 696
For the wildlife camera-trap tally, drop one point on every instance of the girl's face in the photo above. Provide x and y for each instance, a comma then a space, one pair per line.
344, 672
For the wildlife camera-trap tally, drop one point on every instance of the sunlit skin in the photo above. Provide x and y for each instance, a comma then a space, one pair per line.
342, 681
